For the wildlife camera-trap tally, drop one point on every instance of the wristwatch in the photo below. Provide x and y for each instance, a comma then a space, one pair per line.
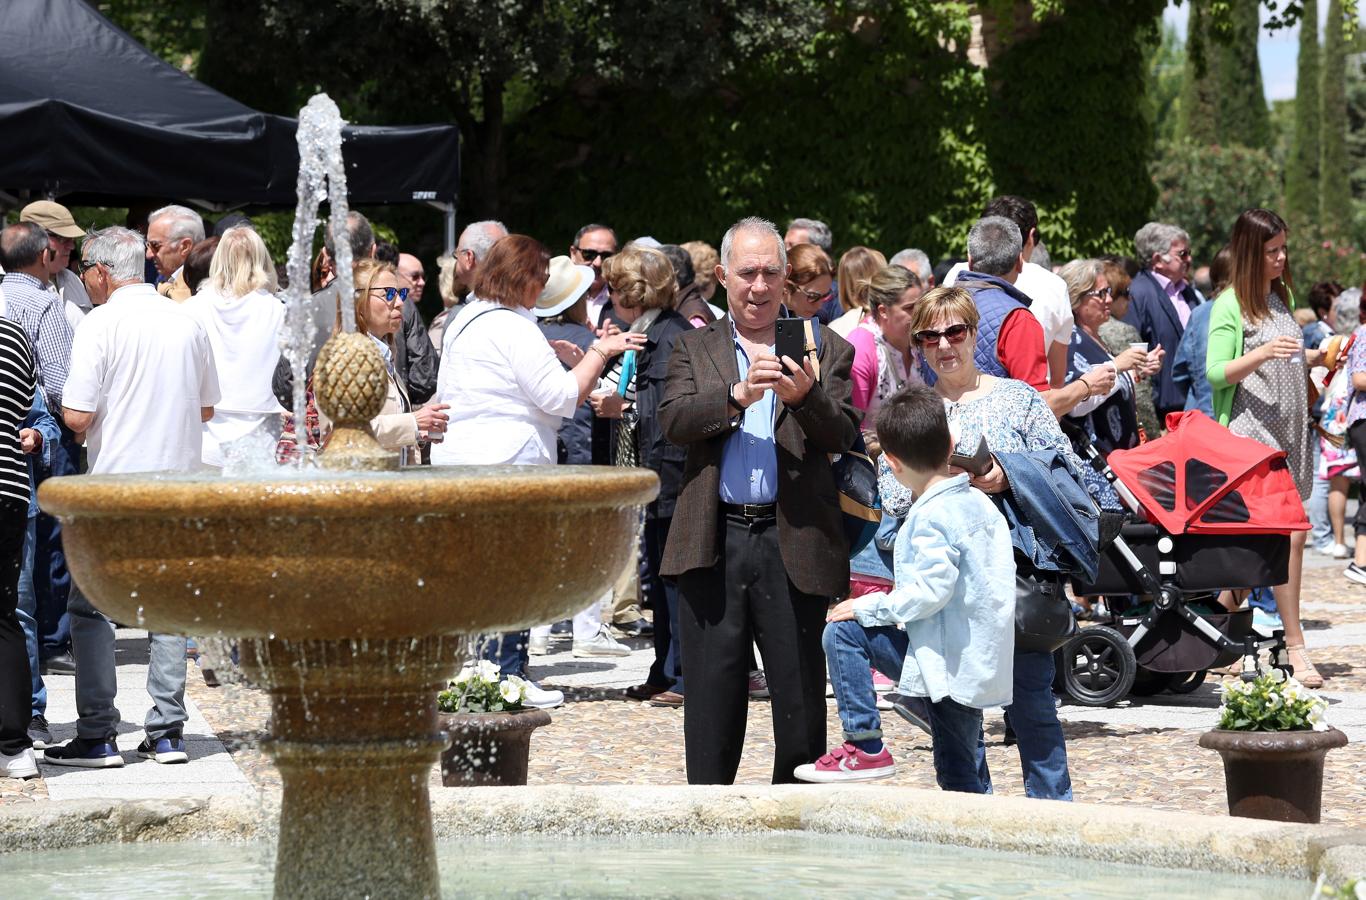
730, 397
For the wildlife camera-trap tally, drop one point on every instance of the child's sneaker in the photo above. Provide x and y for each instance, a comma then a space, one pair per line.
1356, 573
881, 683
847, 763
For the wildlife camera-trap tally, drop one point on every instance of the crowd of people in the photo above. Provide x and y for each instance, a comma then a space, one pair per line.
158, 350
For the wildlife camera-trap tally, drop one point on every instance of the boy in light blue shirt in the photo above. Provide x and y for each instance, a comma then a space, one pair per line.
954, 591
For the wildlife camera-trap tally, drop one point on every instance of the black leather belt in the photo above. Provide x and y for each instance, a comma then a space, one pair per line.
751, 511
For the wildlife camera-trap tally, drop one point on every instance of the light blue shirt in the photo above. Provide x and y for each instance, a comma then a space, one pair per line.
954, 573
749, 461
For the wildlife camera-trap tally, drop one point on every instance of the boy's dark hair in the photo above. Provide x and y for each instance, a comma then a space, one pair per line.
912, 426
1018, 210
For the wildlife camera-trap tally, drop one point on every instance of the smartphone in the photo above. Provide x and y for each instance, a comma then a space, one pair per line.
979, 463
790, 340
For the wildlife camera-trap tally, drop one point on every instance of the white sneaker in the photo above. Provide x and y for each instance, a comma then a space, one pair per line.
1354, 572
601, 644
1339, 551
540, 698
20, 765
538, 645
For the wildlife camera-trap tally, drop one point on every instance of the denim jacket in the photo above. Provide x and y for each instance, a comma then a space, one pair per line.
40, 419
1053, 521
955, 593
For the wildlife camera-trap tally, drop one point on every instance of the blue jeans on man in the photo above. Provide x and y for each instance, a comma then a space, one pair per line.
51, 579
27, 612
850, 651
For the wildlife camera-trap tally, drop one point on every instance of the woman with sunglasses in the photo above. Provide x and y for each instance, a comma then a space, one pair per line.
379, 300
1111, 418
1013, 418
1118, 335
1257, 363
811, 283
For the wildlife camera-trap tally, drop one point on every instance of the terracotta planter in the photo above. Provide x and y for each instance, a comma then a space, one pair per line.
1274, 775
488, 748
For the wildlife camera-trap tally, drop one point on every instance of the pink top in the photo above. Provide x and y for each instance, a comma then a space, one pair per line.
864, 375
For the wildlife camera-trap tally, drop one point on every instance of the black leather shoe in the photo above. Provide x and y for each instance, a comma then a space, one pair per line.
61, 664
638, 629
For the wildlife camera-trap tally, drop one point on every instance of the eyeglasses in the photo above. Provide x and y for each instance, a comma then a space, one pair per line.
590, 255
1123, 293
88, 264
1101, 292
392, 294
955, 333
1184, 254
815, 296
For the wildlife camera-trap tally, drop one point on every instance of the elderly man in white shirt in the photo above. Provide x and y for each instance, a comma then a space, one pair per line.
142, 381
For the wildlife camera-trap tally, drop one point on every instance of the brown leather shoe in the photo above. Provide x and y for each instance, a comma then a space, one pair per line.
644, 691
667, 699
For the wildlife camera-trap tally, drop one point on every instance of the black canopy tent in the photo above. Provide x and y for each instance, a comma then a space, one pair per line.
89, 116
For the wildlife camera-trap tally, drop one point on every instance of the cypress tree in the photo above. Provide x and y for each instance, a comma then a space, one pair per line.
1335, 196
1197, 119
1222, 101
1302, 169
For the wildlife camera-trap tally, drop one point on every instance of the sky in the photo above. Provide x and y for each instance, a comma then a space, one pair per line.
1277, 51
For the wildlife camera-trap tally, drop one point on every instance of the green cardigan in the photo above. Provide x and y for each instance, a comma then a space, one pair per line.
1225, 345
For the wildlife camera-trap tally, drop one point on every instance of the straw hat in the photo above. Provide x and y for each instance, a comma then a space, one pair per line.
52, 216
566, 285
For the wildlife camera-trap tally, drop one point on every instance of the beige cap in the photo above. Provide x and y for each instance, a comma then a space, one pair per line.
52, 216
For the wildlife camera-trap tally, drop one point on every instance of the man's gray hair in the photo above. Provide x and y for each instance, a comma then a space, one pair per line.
1040, 257
994, 245
185, 222
358, 233
684, 273
817, 232
752, 225
479, 237
22, 245
1157, 237
121, 249
911, 258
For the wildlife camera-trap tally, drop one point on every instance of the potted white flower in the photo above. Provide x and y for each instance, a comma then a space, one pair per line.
489, 727
1273, 737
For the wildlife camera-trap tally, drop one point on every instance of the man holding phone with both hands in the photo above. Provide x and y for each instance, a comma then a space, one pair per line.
757, 542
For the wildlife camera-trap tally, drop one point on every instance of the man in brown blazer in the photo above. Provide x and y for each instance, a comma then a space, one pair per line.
757, 543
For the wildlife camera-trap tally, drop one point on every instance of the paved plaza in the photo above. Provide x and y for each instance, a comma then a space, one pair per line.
1142, 752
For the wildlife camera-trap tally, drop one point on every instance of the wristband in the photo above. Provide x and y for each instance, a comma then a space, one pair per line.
606, 360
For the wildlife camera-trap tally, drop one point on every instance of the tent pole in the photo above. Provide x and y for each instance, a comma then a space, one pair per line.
450, 228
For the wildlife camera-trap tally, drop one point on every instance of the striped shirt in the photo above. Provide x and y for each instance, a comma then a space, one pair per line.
42, 314
18, 381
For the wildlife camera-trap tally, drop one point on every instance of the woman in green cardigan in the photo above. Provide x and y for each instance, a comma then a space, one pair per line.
1257, 366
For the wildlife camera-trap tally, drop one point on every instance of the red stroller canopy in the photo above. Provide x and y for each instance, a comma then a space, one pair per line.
1202, 478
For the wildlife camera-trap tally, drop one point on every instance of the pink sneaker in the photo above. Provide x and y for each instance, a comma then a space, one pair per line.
847, 763
881, 683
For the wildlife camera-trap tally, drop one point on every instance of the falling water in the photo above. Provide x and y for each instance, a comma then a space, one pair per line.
322, 176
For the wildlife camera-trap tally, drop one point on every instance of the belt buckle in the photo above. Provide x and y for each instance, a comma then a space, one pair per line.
756, 510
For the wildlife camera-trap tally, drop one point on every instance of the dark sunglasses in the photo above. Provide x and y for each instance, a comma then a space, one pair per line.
392, 294
590, 255
955, 334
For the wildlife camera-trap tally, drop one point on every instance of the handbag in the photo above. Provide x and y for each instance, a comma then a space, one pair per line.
1043, 614
627, 447
860, 504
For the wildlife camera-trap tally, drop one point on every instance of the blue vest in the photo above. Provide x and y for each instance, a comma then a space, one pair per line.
995, 299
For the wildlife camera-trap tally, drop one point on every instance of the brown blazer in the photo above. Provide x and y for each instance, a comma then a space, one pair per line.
695, 414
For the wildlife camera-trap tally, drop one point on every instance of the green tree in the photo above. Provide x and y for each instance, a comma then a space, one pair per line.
1302, 168
1204, 188
1222, 100
1166, 65
1335, 198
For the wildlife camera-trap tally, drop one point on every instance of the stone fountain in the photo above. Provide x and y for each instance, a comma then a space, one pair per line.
352, 590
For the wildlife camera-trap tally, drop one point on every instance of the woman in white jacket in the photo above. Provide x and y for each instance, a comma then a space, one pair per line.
242, 317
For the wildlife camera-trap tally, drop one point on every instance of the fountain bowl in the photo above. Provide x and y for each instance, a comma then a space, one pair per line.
375, 555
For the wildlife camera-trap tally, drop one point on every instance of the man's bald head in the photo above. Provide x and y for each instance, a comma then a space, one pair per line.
410, 270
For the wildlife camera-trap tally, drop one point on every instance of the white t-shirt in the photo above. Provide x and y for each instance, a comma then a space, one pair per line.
144, 367
1049, 301
506, 389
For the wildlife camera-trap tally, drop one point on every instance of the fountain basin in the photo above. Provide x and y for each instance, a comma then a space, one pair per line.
386, 555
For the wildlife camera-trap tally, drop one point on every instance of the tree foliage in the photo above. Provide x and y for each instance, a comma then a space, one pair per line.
1335, 199
1205, 188
1302, 168
1222, 99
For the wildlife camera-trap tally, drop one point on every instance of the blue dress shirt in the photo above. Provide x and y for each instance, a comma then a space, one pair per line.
749, 461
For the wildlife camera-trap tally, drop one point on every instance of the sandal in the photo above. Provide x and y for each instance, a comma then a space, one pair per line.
1305, 672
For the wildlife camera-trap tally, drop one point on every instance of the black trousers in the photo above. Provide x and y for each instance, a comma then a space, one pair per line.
1356, 438
16, 685
747, 597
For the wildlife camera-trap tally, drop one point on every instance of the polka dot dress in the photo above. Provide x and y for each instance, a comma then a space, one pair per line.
1272, 404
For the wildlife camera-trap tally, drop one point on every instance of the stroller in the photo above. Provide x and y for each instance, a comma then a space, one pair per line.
1210, 511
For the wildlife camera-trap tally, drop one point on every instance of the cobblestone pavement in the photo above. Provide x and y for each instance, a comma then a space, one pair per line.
1142, 752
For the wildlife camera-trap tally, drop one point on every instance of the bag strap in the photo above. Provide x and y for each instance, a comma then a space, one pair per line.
474, 318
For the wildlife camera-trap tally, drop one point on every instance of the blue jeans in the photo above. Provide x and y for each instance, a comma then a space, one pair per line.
1034, 716
1321, 534
851, 651
51, 579
508, 652
27, 611
667, 670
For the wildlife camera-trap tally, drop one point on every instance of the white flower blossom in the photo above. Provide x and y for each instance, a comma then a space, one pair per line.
1360, 889
487, 670
510, 692
1277, 675
465, 675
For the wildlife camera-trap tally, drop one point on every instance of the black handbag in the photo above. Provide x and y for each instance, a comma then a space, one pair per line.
1043, 614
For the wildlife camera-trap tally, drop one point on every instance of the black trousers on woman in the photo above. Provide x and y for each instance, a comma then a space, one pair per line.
1356, 438
744, 598
16, 685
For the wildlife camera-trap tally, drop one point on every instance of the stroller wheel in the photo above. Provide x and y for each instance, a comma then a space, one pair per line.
1098, 666
1184, 684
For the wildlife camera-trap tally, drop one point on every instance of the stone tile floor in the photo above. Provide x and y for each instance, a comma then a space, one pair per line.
1141, 752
